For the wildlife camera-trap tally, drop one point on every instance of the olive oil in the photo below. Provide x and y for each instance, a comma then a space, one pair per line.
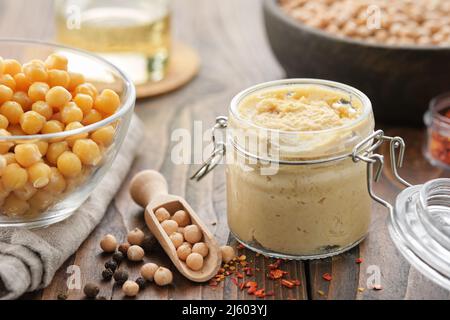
135, 39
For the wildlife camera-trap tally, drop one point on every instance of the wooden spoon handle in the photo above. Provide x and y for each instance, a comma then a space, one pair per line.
146, 185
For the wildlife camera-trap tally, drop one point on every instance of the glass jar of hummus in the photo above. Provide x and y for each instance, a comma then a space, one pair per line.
292, 189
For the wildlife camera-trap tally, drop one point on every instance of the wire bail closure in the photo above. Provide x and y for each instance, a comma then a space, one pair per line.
217, 153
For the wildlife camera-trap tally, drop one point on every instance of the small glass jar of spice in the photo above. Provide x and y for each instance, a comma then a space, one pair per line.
437, 120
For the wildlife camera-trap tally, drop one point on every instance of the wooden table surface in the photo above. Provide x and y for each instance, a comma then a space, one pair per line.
229, 37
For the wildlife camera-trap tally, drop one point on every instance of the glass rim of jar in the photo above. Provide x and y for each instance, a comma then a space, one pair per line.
129, 92
367, 104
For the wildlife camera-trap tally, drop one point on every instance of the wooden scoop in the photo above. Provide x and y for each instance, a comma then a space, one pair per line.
149, 189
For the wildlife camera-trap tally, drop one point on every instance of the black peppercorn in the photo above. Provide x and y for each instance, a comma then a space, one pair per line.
107, 274
120, 276
148, 244
111, 264
141, 282
118, 257
91, 290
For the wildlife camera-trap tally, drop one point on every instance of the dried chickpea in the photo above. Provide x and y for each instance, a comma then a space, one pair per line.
91, 117
56, 149
5, 145
87, 88
22, 82
104, 136
135, 253
39, 174
37, 91
52, 126
57, 183
192, 233
84, 102
23, 99
56, 61
43, 109
14, 177
11, 110
72, 126
26, 192
6, 93
148, 271
194, 261
201, 248
41, 200
27, 154
3, 122
35, 71
88, 151
69, 164
135, 236
57, 97
108, 243
58, 78
184, 251
169, 226
107, 102
75, 80
14, 207
8, 81
177, 239
32, 122
130, 288
162, 214
163, 276
182, 218
228, 253
12, 66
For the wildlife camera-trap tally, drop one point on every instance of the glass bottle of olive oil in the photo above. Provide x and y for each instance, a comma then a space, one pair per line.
132, 34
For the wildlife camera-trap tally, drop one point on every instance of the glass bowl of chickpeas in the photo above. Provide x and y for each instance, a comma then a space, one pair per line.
64, 114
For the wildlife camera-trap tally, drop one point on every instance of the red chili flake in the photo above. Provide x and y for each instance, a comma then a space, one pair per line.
260, 293
275, 265
242, 285
248, 271
295, 282
359, 260
287, 283
327, 277
235, 281
239, 275
276, 274
250, 284
240, 246
251, 290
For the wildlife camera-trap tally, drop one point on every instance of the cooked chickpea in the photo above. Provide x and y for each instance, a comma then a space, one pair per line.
14, 207
52, 126
107, 102
130, 288
12, 111
162, 214
41, 200
39, 174
169, 226
201, 248
69, 164
177, 239
58, 78
57, 183
26, 192
75, 80
135, 253
57, 97
8, 81
43, 109
37, 91
182, 218
22, 82
163, 276
91, 117
192, 233
135, 236
71, 113
32, 122
228, 253
10, 158
12, 66
16, 130
22, 99
194, 261
184, 251
56, 61
42, 146
84, 102
35, 71
55, 150
27, 154
14, 177
6, 93
6, 145
3, 164
104, 136
148, 271
108, 243
87, 88
72, 126
88, 151
4, 123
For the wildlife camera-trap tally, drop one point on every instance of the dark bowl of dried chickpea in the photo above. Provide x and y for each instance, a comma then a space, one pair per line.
397, 52
63, 115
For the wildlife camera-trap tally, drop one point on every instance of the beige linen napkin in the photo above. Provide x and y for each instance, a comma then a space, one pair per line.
30, 258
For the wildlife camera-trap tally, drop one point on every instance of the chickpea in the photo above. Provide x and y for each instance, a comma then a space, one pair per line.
75, 80
6, 145
162, 214
26, 192
39, 174
107, 102
41, 200
135, 236
35, 71
55, 150
43, 109
148, 271
22, 82
69, 164
42, 146
104, 136
88, 152
135, 253
228, 253
12, 66
72, 126
91, 117
14, 177
16, 130
32, 122
57, 183
56, 61
52, 126
87, 88
184, 251
37, 91
8, 81
194, 261
57, 97
163, 276
6, 93
130, 288
71, 113
12, 111
4, 123
3, 164
14, 207
27, 154
192, 233
177, 239
22, 99
169, 226
10, 157
108, 243
123, 247
84, 102
58, 78
201, 248
182, 218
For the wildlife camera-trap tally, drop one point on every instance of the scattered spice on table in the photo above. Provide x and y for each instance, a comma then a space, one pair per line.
361, 289
359, 260
327, 276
